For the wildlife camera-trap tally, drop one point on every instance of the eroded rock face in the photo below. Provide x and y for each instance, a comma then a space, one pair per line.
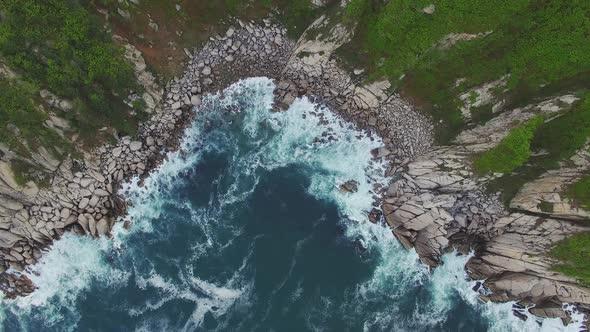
434, 202
437, 202
547, 194
515, 265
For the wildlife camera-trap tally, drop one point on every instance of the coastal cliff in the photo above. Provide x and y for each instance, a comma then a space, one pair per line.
437, 199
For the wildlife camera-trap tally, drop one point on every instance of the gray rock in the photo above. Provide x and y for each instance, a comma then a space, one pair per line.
65, 213
85, 182
429, 10
93, 201
83, 203
8, 239
196, 100
350, 186
83, 221
102, 227
135, 145
91, 224
117, 152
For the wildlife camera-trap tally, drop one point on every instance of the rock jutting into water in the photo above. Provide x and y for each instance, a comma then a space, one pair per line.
434, 201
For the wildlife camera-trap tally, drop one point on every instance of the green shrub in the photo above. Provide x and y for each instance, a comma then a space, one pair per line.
512, 152
580, 192
541, 44
574, 256
61, 46
545, 206
563, 136
404, 33
355, 10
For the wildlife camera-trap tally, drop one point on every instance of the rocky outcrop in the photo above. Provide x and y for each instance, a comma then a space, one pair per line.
82, 193
82, 196
436, 203
313, 71
547, 195
484, 137
515, 266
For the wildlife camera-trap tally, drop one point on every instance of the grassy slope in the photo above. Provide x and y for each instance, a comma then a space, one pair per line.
59, 46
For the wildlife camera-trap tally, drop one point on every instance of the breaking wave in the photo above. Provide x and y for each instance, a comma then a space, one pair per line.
245, 228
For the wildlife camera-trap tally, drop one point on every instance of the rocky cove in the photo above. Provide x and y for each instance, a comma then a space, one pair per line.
434, 203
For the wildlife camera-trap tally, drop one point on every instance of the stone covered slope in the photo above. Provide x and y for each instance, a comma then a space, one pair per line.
437, 202
313, 71
83, 193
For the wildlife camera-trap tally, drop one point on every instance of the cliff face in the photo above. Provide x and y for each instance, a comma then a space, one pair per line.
437, 202
434, 203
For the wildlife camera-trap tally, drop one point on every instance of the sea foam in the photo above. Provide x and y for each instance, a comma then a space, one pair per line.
330, 151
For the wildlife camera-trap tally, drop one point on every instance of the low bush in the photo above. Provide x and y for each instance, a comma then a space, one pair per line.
512, 152
573, 254
562, 137
580, 192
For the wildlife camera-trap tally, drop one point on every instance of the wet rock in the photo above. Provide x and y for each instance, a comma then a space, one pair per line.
350, 186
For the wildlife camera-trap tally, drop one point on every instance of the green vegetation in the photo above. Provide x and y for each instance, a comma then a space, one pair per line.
542, 45
555, 141
562, 137
59, 45
21, 120
296, 15
25, 172
574, 256
403, 32
546, 207
355, 10
580, 192
512, 152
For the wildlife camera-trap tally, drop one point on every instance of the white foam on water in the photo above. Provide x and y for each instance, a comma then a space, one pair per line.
148, 199
207, 297
332, 152
71, 266
450, 279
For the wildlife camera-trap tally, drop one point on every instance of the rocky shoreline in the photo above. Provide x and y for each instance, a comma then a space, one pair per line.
434, 203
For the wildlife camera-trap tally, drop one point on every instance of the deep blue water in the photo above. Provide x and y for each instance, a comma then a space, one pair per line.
247, 231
